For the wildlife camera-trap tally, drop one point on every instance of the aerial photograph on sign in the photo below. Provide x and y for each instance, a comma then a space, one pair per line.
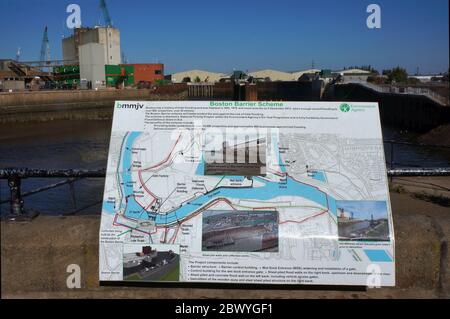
151, 263
243, 231
363, 220
245, 158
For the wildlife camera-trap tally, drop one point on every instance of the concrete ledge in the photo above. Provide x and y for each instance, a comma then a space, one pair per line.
34, 257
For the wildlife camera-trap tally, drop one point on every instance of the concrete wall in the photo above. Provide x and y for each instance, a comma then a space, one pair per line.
287, 91
109, 37
412, 112
88, 104
69, 49
92, 64
15, 85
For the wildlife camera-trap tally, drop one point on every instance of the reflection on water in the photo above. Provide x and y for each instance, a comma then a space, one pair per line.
56, 144
84, 144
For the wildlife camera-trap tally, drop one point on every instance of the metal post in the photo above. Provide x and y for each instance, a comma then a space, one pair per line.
17, 212
16, 197
391, 164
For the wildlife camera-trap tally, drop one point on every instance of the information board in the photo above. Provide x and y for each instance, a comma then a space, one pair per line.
247, 193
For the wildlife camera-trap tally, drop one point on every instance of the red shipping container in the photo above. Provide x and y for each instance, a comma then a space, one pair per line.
149, 72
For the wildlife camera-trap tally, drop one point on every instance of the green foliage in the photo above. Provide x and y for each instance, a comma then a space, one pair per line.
197, 79
376, 79
161, 82
413, 81
445, 78
396, 75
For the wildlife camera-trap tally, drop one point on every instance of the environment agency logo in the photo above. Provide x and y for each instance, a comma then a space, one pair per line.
344, 107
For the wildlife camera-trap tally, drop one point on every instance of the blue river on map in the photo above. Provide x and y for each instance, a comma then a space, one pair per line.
270, 190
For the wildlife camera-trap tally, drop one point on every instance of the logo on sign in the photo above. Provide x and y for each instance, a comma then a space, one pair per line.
345, 107
135, 106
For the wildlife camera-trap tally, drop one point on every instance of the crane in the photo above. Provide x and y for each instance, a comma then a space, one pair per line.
106, 16
45, 47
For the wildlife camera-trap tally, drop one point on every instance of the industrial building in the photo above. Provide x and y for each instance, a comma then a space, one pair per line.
260, 75
99, 54
298, 74
272, 75
15, 76
354, 75
92, 65
107, 36
191, 75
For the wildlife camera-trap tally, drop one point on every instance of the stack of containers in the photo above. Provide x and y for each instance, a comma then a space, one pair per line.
67, 76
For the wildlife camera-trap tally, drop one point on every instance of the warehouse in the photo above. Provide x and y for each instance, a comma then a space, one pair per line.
192, 75
272, 75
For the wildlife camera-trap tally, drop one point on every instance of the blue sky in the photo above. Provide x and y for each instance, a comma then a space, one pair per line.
364, 209
248, 35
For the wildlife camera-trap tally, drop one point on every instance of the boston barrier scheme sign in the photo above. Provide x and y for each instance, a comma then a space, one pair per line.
247, 192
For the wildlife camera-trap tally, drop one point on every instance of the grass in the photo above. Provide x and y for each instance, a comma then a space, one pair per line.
173, 275
133, 277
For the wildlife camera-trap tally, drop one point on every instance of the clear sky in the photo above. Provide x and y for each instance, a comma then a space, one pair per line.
364, 209
247, 35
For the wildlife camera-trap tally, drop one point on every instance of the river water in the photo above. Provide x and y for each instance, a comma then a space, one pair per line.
84, 145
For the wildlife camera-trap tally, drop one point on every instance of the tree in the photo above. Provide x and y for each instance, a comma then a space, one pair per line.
396, 75
197, 79
186, 79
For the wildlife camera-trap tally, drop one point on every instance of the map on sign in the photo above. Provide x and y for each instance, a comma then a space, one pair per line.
247, 192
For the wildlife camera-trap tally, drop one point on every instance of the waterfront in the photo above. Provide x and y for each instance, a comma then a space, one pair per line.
84, 144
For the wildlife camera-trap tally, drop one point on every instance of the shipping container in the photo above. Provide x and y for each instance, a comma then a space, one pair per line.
113, 81
66, 69
118, 74
119, 70
147, 72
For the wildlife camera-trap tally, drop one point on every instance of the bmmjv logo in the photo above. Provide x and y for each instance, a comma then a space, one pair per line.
135, 106
345, 107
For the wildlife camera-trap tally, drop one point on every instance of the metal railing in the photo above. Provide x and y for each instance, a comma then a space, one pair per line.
406, 90
14, 177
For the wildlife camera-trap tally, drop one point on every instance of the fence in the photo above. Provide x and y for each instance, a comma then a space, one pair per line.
407, 90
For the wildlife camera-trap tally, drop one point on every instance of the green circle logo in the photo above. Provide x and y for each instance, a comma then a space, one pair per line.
344, 107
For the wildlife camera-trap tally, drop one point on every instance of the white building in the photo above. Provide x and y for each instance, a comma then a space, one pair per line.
273, 75
92, 64
107, 36
297, 74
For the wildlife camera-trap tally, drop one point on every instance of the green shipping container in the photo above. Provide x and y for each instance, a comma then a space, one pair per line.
113, 81
116, 70
66, 69
112, 70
